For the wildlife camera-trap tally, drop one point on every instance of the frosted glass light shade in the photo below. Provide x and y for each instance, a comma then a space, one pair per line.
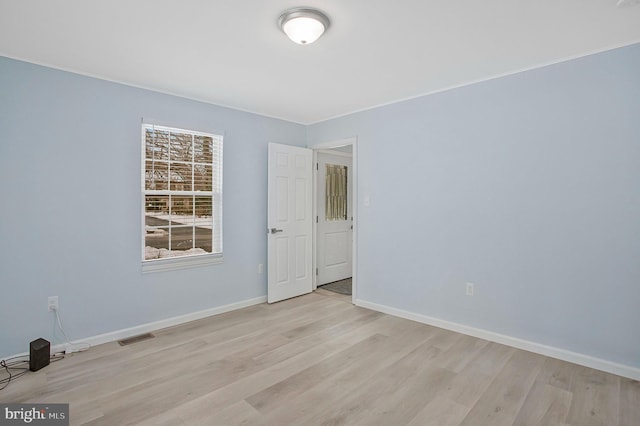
303, 30
303, 26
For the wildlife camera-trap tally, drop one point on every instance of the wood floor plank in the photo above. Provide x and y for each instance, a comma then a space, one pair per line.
219, 399
197, 378
165, 418
473, 380
402, 404
239, 413
280, 393
629, 401
446, 340
500, 403
351, 381
596, 398
460, 353
557, 373
352, 329
440, 411
356, 405
385, 350
544, 405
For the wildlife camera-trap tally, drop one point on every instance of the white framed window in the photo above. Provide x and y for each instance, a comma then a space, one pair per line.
182, 198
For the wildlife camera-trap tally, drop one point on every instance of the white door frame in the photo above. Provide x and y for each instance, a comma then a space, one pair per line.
353, 141
340, 268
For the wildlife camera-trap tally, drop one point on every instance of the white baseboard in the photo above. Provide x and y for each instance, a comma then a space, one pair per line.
550, 351
156, 325
169, 322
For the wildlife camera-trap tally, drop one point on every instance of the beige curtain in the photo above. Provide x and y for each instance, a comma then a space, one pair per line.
336, 192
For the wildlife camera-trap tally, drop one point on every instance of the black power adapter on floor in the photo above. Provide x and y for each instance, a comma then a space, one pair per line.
39, 354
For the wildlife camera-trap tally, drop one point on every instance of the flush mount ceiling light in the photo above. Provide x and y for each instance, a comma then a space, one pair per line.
303, 25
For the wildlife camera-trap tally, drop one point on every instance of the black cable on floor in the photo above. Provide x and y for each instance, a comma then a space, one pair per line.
9, 364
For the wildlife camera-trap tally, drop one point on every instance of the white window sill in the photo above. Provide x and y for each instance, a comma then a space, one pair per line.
171, 264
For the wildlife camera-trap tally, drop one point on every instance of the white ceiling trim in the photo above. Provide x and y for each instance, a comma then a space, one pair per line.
468, 83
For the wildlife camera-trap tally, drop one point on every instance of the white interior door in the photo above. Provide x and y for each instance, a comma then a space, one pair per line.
290, 222
334, 230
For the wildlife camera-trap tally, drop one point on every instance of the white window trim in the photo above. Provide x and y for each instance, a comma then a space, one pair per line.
182, 262
175, 263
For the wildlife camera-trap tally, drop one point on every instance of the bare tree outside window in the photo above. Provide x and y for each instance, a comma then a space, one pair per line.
182, 193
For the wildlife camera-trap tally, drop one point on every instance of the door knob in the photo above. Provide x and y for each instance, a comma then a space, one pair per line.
275, 231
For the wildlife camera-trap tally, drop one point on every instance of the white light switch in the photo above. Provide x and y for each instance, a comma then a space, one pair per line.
366, 200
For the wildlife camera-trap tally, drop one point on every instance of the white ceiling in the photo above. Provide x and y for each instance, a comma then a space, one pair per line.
231, 52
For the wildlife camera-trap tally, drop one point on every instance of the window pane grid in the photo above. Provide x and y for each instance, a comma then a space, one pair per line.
183, 209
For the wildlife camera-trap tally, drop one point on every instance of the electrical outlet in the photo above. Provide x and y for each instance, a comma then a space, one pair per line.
52, 303
470, 287
260, 268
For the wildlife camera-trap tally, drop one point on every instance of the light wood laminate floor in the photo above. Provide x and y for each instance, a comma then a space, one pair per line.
318, 360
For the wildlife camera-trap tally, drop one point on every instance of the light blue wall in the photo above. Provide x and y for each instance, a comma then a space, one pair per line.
527, 186
70, 205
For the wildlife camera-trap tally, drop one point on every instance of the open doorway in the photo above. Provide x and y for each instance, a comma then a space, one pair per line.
335, 217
